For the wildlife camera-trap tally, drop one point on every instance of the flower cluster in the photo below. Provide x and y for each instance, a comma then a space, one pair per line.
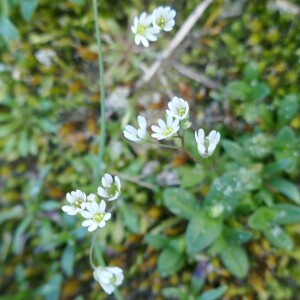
93, 209
177, 120
147, 27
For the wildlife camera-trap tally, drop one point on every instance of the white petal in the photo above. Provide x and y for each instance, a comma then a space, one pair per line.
108, 178
108, 288
107, 217
211, 149
201, 149
102, 224
212, 136
69, 198
158, 136
169, 121
102, 206
151, 37
201, 135
144, 41
93, 227
156, 129
161, 123
69, 210
102, 192
137, 39
130, 129
131, 137
118, 182
89, 207
171, 14
143, 17
96, 207
87, 214
87, 223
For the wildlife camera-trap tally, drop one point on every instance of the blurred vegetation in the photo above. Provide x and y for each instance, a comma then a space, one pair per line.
167, 238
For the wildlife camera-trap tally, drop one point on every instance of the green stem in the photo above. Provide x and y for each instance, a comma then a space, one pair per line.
100, 258
102, 97
91, 250
163, 145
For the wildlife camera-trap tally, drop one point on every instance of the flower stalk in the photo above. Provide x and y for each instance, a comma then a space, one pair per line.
102, 136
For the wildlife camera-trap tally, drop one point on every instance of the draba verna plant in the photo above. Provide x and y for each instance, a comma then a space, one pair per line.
209, 227
96, 209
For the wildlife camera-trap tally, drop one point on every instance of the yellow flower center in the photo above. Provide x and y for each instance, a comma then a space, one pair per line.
180, 111
161, 22
141, 29
113, 280
98, 217
167, 131
77, 203
112, 190
206, 142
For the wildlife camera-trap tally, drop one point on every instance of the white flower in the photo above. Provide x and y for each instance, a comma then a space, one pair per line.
95, 215
111, 187
165, 130
207, 145
109, 277
163, 18
143, 30
77, 199
136, 135
178, 108
92, 197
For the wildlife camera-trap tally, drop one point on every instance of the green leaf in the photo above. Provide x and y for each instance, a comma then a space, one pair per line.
286, 187
236, 236
180, 202
237, 90
285, 137
259, 92
27, 8
278, 238
286, 214
8, 31
251, 72
51, 289
130, 218
68, 259
278, 166
213, 294
169, 262
15, 212
235, 152
235, 259
190, 176
19, 241
201, 232
190, 145
225, 191
262, 218
288, 108
157, 241
175, 292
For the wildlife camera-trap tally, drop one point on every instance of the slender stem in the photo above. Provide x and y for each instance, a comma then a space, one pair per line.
91, 250
100, 258
118, 294
102, 96
163, 145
